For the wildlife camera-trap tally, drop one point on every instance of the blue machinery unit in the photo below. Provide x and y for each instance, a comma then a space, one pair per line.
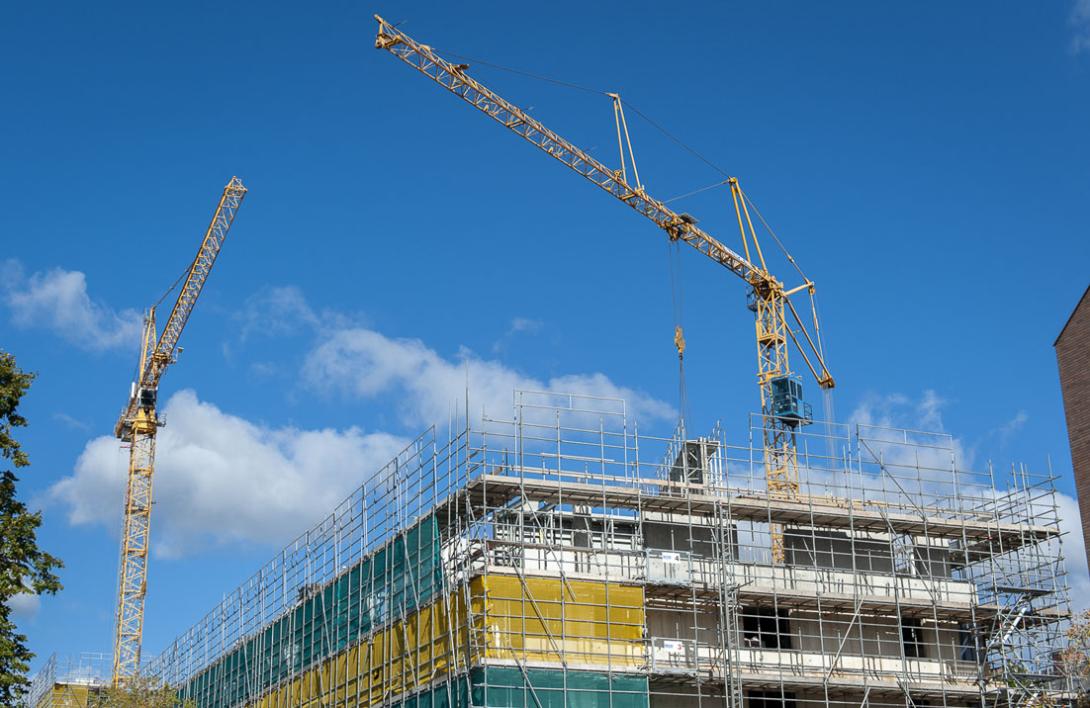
787, 403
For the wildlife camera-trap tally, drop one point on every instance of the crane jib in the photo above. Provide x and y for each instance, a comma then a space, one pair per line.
198, 273
783, 409
766, 289
137, 427
455, 80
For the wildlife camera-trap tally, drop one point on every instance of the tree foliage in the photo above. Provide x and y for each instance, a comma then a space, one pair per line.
1074, 659
139, 692
24, 568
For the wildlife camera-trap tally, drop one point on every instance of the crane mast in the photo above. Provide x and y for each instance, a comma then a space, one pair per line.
138, 425
782, 407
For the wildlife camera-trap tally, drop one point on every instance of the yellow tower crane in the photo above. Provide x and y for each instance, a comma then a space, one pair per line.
782, 406
138, 425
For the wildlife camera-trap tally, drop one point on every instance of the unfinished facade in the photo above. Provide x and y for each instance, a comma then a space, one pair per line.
560, 558
69, 681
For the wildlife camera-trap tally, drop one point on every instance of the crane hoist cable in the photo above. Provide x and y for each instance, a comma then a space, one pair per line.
627, 156
677, 300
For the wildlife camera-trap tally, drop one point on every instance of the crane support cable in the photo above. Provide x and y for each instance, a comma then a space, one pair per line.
528, 74
137, 426
168, 291
622, 127
457, 81
772, 233
677, 141
817, 326
209, 249
579, 87
782, 408
695, 192
824, 379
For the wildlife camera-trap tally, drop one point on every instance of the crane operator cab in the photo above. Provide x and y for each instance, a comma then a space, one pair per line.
787, 403
147, 398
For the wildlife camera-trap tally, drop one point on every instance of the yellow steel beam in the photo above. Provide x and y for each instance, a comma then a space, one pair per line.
769, 296
137, 426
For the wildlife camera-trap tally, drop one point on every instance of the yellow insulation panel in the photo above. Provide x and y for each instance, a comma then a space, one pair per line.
553, 620
409, 653
530, 619
66, 695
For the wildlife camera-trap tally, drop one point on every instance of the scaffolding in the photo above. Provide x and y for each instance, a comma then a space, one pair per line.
561, 558
69, 681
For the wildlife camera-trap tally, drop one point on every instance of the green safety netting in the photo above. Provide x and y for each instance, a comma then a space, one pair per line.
505, 687
395, 580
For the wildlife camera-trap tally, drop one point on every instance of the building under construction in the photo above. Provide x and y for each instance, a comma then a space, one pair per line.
69, 681
561, 558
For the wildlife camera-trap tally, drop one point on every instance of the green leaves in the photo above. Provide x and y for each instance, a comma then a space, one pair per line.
140, 692
13, 384
24, 568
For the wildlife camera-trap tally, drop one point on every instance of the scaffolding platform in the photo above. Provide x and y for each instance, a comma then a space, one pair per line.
560, 558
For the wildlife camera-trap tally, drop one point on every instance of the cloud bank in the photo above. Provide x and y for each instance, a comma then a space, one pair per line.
351, 360
365, 363
25, 606
925, 413
221, 479
57, 300
1080, 25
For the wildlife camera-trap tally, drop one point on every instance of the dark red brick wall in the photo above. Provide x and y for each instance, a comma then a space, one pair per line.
1073, 356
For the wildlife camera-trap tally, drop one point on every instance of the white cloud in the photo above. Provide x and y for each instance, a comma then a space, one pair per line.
525, 324
877, 410
929, 410
426, 385
283, 310
71, 422
898, 411
1080, 24
352, 359
518, 326
1074, 547
276, 311
1012, 426
221, 479
25, 606
57, 299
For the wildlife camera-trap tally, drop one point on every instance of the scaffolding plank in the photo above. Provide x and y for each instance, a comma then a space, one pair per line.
495, 490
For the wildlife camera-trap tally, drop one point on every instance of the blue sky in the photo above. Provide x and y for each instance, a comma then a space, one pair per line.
928, 167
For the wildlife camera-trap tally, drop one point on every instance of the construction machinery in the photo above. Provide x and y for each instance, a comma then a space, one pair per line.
137, 426
782, 406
